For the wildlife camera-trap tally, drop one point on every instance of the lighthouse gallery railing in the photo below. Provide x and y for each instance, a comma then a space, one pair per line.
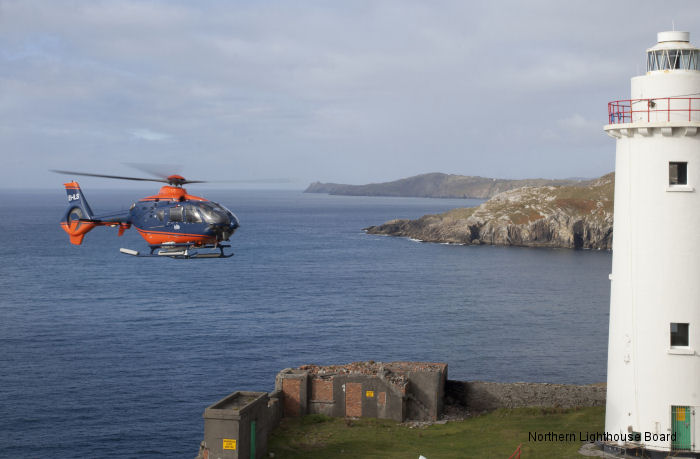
654, 110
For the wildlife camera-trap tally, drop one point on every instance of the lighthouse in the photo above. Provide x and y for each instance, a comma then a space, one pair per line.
653, 391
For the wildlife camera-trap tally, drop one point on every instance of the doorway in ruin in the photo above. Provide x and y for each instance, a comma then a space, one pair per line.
353, 399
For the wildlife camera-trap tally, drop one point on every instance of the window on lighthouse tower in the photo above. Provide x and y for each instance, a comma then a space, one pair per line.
677, 173
679, 335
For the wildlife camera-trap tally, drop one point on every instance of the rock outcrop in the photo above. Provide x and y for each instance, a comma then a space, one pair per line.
549, 216
437, 185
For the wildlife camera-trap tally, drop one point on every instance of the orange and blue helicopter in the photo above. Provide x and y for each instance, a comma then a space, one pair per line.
174, 223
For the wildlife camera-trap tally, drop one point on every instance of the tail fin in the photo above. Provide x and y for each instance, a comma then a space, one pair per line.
78, 209
77, 199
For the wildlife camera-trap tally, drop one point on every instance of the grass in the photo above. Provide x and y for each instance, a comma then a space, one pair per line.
492, 435
461, 213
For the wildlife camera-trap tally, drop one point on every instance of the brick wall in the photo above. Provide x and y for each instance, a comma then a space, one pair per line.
322, 390
291, 388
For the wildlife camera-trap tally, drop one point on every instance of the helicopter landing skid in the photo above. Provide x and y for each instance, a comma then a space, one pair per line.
181, 251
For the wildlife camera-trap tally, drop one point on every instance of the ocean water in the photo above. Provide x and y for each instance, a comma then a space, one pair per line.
106, 355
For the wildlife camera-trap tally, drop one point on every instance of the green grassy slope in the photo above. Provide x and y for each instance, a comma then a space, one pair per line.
492, 435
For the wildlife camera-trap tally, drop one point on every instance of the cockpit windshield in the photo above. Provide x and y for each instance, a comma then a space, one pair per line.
214, 213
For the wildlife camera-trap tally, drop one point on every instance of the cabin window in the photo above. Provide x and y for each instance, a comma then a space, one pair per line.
679, 335
677, 173
192, 215
176, 214
160, 214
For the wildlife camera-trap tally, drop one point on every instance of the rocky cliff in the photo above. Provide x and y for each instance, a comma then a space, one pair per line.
548, 216
436, 185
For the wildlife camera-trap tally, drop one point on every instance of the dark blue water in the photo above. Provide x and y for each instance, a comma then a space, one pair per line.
106, 355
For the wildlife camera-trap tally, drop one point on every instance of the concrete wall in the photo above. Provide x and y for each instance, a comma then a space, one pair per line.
228, 425
426, 391
356, 396
274, 408
396, 390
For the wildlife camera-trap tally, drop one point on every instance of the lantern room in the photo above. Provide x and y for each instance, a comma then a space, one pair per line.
673, 52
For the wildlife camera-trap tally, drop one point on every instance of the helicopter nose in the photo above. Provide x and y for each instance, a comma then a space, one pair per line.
232, 227
224, 231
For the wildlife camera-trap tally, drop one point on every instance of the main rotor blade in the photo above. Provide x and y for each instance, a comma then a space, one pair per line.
168, 179
87, 174
157, 170
273, 180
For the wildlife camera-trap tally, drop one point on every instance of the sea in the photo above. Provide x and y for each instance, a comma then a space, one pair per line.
108, 355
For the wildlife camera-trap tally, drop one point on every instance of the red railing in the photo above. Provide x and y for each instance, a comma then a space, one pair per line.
653, 110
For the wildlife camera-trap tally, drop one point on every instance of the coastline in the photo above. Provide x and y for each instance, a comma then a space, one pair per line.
559, 217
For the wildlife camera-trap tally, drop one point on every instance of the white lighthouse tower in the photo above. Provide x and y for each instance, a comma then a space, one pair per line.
653, 391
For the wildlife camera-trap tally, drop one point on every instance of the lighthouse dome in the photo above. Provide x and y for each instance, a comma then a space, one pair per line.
663, 37
673, 52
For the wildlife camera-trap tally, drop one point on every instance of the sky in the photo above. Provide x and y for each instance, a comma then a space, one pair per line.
301, 91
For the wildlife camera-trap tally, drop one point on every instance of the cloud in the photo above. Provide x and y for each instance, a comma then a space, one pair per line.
578, 122
318, 90
147, 134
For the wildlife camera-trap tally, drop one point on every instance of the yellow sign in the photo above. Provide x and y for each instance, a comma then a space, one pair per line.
680, 413
229, 443
369, 394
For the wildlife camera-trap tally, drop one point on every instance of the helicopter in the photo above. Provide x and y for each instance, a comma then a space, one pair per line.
174, 223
